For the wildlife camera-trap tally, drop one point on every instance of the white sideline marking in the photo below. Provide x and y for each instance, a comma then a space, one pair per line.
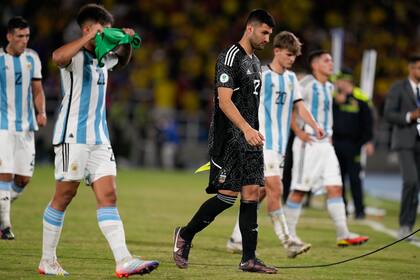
381, 228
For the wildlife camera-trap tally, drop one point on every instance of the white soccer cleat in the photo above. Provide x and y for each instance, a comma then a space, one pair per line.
233, 246
51, 267
135, 265
295, 247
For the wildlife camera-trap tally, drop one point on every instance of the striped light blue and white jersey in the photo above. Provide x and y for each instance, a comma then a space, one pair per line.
17, 111
82, 115
278, 94
318, 99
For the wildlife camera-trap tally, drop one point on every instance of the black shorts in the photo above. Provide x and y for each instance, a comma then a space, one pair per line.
235, 169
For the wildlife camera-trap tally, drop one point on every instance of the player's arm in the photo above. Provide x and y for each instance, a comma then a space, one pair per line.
63, 55
308, 118
300, 133
252, 136
39, 102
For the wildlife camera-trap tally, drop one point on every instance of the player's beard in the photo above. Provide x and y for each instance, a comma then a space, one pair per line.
257, 46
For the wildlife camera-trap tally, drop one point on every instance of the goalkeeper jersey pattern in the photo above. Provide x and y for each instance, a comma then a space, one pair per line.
241, 72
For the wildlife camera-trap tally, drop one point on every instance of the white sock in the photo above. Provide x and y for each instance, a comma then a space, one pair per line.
5, 204
52, 225
112, 228
337, 212
280, 225
236, 234
15, 191
292, 213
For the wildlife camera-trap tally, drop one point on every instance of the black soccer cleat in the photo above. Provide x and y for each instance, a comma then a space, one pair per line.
181, 249
7, 234
256, 265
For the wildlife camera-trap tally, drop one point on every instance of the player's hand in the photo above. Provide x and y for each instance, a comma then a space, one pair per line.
254, 137
369, 148
305, 137
319, 132
129, 31
414, 115
41, 119
94, 29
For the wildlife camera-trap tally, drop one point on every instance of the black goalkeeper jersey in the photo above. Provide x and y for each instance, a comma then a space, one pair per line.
241, 72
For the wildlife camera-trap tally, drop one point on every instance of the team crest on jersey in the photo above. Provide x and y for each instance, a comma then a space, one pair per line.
73, 167
224, 78
0, 162
29, 66
222, 177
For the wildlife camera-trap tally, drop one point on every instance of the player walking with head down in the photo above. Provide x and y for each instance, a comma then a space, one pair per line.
280, 94
20, 94
315, 164
82, 145
235, 145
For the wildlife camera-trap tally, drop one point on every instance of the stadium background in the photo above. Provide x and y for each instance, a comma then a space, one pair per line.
160, 105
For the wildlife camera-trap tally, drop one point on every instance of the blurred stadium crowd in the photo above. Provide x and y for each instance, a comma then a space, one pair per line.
159, 107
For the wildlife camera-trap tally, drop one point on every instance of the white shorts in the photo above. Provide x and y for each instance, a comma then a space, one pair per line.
273, 163
74, 162
17, 152
315, 166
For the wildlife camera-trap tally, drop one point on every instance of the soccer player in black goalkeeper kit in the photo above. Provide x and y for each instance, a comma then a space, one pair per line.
235, 145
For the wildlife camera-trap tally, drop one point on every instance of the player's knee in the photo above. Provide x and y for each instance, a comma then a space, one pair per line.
250, 193
334, 191
296, 196
21, 182
108, 198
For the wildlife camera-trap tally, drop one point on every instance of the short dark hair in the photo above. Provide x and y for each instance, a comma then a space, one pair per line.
287, 40
16, 22
94, 12
414, 58
315, 54
261, 16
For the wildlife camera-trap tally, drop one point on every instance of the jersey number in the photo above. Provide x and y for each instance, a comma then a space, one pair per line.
18, 78
257, 84
281, 97
101, 78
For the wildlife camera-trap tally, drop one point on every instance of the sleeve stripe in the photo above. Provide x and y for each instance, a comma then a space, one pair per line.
229, 54
232, 57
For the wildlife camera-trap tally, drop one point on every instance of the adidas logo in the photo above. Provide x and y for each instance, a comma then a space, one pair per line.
248, 72
71, 135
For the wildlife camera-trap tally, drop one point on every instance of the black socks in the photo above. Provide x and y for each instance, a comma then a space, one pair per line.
206, 214
249, 228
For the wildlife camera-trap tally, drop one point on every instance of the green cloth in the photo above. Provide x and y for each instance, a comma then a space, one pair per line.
111, 38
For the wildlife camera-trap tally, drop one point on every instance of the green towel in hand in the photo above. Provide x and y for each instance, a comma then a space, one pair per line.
111, 38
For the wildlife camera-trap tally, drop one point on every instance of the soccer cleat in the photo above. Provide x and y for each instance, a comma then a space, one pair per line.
233, 246
7, 234
181, 249
295, 247
256, 265
352, 240
135, 265
51, 267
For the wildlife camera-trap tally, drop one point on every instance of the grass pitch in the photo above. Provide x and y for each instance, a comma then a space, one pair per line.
151, 203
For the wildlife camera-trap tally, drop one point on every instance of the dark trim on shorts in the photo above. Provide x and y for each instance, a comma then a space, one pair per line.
65, 149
